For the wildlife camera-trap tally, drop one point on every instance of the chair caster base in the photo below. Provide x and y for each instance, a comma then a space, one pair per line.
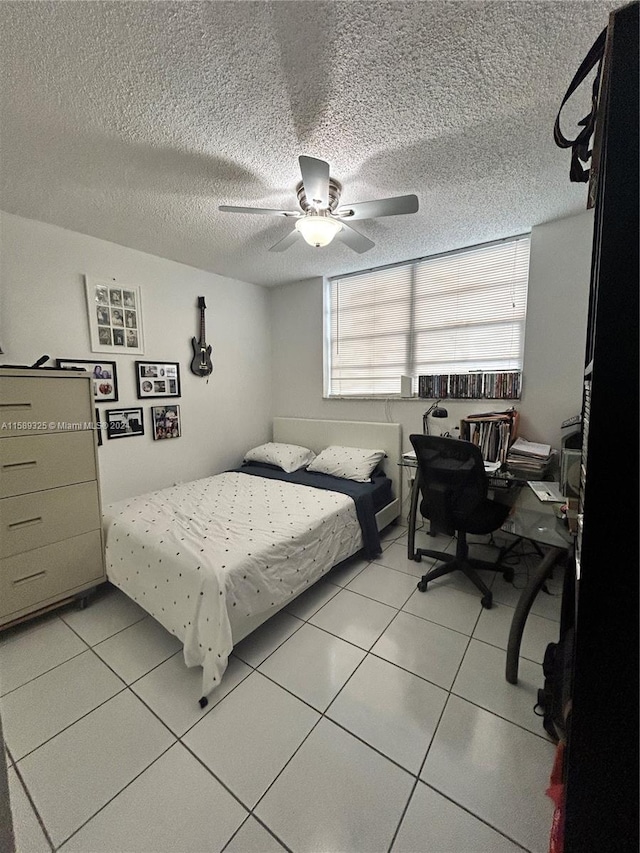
508, 575
422, 585
487, 601
203, 701
417, 558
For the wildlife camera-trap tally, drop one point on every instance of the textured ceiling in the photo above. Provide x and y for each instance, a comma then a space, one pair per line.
133, 121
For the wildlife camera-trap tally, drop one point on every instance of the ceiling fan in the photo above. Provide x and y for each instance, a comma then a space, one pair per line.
323, 217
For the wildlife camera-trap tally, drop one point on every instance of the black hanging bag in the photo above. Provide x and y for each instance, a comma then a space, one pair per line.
580, 150
554, 698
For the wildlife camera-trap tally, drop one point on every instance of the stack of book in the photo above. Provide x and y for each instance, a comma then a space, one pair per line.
529, 458
492, 432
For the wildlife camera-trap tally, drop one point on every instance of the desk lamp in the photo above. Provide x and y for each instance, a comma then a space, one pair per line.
436, 411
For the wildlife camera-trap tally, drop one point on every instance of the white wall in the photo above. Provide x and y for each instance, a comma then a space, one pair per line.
553, 359
267, 345
43, 310
557, 307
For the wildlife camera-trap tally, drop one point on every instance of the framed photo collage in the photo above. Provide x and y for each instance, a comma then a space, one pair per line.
154, 380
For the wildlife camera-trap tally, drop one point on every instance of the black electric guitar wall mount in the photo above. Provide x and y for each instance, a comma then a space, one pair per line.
201, 363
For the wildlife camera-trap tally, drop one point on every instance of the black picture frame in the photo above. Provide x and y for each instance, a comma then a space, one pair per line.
105, 388
155, 379
126, 422
98, 427
165, 422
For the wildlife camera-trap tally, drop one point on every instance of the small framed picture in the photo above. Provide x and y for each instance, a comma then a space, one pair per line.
105, 376
115, 317
124, 423
166, 422
157, 379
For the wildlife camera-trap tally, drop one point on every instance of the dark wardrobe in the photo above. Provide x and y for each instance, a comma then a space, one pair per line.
601, 758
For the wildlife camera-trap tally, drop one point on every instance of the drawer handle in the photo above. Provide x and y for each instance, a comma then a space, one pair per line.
26, 521
15, 405
20, 464
30, 577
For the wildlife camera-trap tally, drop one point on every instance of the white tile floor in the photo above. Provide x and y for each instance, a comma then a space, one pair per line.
368, 717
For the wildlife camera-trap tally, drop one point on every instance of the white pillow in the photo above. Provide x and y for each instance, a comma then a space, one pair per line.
289, 457
350, 463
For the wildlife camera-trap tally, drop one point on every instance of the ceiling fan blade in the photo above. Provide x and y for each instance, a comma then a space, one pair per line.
381, 207
287, 241
315, 179
354, 240
263, 211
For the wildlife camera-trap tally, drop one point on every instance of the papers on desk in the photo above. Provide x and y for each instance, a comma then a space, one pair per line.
529, 457
489, 467
546, 491
522, 447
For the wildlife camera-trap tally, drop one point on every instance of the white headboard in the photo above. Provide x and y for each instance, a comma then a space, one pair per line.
316, 435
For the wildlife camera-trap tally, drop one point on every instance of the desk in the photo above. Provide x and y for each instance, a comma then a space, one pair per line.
529, 519
535, 521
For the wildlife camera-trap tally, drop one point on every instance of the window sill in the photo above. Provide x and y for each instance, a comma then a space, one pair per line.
397, 398
378, 397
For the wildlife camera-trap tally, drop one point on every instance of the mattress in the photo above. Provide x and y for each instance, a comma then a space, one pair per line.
193, 553
368, 497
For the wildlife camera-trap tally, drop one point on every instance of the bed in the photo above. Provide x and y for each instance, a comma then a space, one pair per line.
214, 558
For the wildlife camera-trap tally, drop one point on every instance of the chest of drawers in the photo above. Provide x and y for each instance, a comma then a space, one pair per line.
51, 546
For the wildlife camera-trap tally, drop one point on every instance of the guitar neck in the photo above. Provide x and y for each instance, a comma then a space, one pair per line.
202, 335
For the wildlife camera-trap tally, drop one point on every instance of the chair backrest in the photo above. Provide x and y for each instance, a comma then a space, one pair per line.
453, 481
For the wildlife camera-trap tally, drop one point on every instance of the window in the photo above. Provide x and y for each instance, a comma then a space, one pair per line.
449, 314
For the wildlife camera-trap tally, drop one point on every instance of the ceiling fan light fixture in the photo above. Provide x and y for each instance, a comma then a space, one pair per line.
318, 229
322, 217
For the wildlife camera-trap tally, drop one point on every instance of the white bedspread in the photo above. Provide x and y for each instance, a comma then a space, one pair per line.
192, 553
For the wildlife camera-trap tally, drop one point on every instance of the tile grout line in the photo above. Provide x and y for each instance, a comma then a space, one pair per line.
367, 652
476, 816
251, 810
432, 739
117, 794
320, 718
264, 826
370, 650
72, 723
80, 637
424, 761
500, 717
416, 776
46, 671
453, 680
125, 686
322, 714
27, 793
399, 609
119, 631
135, 695
178, 739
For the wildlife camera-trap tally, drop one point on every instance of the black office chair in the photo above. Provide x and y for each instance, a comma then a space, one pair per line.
453, 484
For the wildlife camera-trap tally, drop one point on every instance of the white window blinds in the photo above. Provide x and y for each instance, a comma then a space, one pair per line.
454, 313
